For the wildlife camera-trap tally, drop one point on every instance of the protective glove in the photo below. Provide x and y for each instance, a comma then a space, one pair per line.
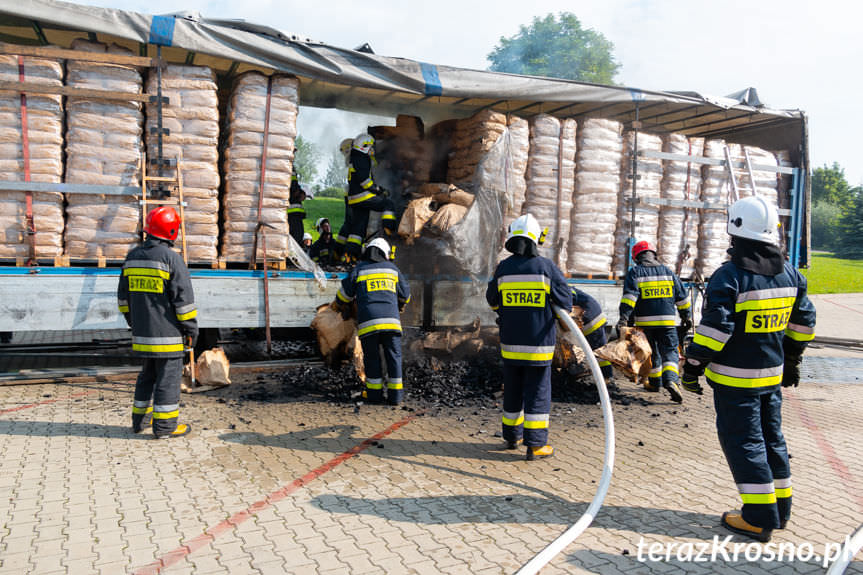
791, 372
685, 324
621, 323
692, 370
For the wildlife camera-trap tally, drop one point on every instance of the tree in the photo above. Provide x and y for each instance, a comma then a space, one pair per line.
851, 227
825, 225
557, 48
305, 161
829, 185
337, 172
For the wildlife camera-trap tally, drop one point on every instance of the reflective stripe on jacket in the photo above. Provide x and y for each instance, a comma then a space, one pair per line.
156, 297
748, 318
655, 295
379, 290
522, 292
360, 180
593, 318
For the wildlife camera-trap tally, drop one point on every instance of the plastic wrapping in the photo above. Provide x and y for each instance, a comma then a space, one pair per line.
713, 239
472, 138
678, 226
595, 203
192, 116
103, 147
242, 167
45, 135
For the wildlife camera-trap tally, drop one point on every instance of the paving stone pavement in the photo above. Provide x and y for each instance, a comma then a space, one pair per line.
304, 486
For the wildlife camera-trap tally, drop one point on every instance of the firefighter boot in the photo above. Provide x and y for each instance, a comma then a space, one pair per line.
539, 452
141, 421
674, 391
733, 520
514, 444
182, 429
649, 386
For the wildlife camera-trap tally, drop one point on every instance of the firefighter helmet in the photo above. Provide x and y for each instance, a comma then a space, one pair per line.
346, 145
524, 226
642, 246
163, 222
307, 236
381, 244
364, 143
320, 223
755, 219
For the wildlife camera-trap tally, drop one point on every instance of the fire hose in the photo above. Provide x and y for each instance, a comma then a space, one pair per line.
574, 336
852, 545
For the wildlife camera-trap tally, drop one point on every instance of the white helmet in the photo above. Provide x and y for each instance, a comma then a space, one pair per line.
364, 143
525, 226
307, 236
319, 223
381, 244
755, 219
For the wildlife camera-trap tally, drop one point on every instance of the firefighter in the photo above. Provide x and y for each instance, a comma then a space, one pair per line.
593, 327
523, 288
757, 320
652, 292
341, 239
323, 250
156, 298
381, 293
308, 240
365, 196
296, 212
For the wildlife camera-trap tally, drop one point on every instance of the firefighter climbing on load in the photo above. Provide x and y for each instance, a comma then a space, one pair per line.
522, 291
365, 196
381, 293
323, 250
155, 297
341, 238
593, 327
652, 292
757, 320
296, 212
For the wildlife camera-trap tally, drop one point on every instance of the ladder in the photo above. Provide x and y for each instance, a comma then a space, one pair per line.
163, 196
729, 164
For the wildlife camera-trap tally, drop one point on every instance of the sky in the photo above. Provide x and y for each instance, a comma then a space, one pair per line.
799, 54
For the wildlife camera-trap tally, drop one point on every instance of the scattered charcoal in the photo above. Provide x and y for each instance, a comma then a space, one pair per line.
641, 444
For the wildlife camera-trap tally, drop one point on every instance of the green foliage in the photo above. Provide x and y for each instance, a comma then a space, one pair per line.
825, 225
337, 172
829, 185
338, 192
830, 274
558, 48
331, 208
851, 228
306, 160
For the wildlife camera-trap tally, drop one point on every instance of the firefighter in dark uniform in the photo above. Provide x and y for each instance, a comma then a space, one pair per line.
341, 239
296, 212
593, 327
522, 291
156, 298
323, 251
365, 196
653, 292
757, 321
381, 293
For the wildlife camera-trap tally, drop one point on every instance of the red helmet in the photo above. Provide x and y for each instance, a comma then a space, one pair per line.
163, 222
642, 246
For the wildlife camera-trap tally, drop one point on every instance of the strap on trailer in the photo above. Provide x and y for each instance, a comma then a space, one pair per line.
29, 223
261, 227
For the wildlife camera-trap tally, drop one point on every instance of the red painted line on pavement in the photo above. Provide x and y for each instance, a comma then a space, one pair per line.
826, 449
843, 305
47, 401
210, 534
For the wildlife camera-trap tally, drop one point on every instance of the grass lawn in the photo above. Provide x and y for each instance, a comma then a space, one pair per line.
829, 274
331, 208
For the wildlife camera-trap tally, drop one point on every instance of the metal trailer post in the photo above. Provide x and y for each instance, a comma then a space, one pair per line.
793, 239
634, 174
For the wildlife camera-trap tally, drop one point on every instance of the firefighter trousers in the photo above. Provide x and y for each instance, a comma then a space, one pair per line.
295, 227
360, 221
341, 238
664, 357
750, 433
159, 382
390, 342
596, 339
526, 403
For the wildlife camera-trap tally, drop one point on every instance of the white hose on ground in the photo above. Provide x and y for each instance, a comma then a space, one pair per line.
852, 545
575, 336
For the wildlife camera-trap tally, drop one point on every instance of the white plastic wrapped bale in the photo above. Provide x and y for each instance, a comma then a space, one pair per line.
678, 226
103, 147
472, 139
712, 234
45, 136
765, 180
647, 188
245, 149
597, 183
551, 180
192, 116
519, 150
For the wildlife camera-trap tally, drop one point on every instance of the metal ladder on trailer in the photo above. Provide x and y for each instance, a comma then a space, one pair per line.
729, 165
163, 187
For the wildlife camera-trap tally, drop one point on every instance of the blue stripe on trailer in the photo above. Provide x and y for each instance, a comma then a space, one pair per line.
115, 271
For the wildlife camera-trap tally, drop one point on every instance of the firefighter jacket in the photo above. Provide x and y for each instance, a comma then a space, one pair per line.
521, 292
361, 186
322, 250
655, 295
380, 291
156, 298
747, 320
296, 197
593, 318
